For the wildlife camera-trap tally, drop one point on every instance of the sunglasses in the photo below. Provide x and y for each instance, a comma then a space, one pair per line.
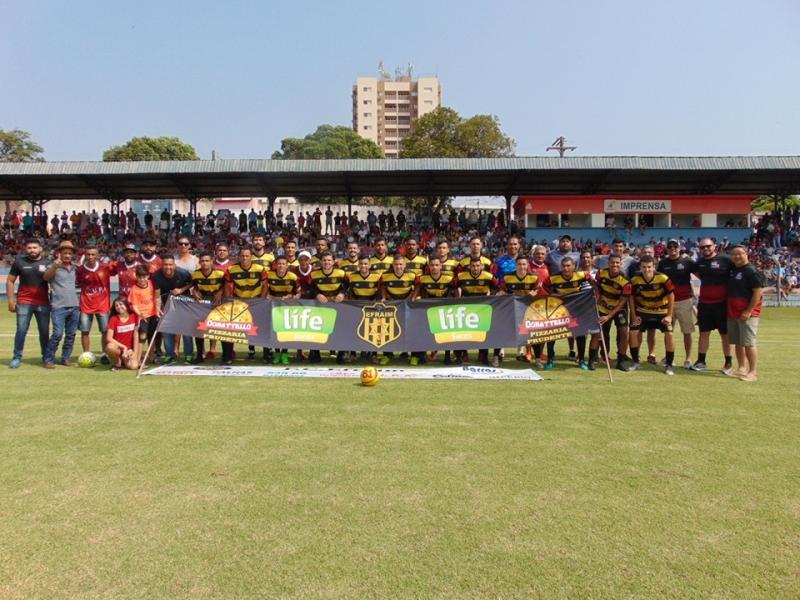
184, 244
706, 246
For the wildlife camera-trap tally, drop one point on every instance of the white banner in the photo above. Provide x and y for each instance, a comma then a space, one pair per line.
464, 372
637, 206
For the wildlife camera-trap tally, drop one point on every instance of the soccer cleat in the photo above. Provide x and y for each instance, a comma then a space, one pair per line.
383, 360
668, 370
276, 358
634, 366
622, 366
549, 365
687, 364
590, 365
582, 365
699, 366
413, 361
284, 358
651, 359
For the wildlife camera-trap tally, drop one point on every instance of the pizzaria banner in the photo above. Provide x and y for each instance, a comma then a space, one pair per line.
392, 326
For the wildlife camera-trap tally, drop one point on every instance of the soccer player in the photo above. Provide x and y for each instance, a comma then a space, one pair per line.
398, 284
652, 304
222, 262
290, 252
320, 246
349, 264
713, 270
64, 307
94, 281
475, 251
613, 294
260, 254
519, 283
679, 270
146, 305
208, 284
363, 284
121, 343
415, 262
381, 261
449, 264
477, 282
435, 284
282, 283
327, 285
566, 282
745, 288
244, 280
618, 248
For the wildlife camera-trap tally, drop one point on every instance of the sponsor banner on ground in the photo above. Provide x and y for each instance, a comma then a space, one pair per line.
398, 326
463, 372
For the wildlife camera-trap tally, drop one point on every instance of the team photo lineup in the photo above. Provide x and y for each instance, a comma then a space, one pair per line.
67, 286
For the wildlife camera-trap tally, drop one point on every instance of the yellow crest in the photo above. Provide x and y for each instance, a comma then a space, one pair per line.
379, 324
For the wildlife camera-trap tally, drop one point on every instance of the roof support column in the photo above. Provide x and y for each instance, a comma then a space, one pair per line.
508, 211
349, 207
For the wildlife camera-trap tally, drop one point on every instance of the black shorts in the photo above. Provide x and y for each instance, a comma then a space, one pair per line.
713, 316
620, 319
147, 328
654, 322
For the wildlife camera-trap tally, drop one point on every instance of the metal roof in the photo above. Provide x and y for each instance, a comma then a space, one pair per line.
402, 177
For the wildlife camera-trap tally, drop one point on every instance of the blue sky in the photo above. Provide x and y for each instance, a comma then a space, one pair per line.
615, 77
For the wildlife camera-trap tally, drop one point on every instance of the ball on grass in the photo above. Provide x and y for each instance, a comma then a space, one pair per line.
87, 360
370, 376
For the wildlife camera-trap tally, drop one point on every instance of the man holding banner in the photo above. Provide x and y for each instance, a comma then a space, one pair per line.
477, 282
567, 282
327, 285
614, 292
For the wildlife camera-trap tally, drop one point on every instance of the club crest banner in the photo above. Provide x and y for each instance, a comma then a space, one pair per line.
392, 326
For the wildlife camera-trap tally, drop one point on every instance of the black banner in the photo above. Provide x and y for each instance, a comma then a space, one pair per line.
392, 326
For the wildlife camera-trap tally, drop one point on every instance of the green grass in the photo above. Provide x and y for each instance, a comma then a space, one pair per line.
571, 487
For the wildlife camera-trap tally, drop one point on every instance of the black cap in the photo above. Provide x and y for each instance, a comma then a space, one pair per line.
673, 241
565, 237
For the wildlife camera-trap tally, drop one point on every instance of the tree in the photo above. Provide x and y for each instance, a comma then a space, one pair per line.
16, 146
328, 142
443, 133
146, 148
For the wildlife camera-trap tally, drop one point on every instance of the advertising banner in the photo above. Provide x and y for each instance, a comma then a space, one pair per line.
394, 326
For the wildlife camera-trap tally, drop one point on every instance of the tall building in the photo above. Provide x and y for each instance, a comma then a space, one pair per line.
384, 110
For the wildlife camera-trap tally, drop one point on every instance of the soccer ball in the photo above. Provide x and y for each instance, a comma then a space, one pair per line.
370, 376
87, 360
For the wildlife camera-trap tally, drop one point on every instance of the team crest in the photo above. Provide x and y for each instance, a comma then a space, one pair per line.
379, 325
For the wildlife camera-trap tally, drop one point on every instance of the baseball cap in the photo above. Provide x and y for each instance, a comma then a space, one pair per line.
129, 247
565, 237
673, 242
66, 245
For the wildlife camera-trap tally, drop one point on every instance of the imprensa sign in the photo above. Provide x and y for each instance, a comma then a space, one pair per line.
637, 206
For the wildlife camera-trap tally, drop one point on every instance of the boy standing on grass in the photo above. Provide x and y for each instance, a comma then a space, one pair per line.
146, 305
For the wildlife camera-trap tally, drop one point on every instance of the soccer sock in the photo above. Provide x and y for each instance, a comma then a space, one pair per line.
592, 354
670, 358
701, 357
635, 354
728, 361
551, 351
581, 341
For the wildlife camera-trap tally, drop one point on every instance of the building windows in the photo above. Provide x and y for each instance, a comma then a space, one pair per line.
367, 101
367, 114
429, 102
428, 89
366, 89
367, 127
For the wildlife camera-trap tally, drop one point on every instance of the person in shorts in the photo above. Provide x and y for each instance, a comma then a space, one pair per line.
679, 270
652, 303
145, 303
745, 288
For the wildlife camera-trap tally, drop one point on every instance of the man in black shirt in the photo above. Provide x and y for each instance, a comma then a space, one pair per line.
679, 270
171, 280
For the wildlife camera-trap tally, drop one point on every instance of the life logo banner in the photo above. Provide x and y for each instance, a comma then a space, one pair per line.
303, 323
460, 322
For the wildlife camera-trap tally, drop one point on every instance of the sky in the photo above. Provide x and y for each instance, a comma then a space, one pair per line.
679, 77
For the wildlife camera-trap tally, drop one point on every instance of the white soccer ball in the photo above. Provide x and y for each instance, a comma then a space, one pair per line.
87, 360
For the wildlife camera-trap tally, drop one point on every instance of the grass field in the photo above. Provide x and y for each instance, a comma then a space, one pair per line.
571, 487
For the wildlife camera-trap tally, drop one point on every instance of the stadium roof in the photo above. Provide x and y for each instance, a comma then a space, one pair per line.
402, 177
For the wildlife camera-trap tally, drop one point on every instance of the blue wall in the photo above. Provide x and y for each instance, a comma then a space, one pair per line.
735, 235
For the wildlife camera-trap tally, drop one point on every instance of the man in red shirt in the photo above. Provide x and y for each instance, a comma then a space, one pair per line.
126, 270
149, 256
94, 280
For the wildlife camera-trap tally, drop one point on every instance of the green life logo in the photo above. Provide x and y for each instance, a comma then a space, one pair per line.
460, 322
303, 323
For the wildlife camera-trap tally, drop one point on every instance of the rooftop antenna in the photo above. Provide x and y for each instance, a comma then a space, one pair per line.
381, 71
410, 71
560, 145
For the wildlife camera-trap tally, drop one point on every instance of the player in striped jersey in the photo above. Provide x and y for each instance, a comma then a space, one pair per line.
415, 262
244, 280
364, 284
475, 251
520, 283
398, 284
222, 262
263, 258
327, 285
349, 264
477, 282
652, 304
613, 293
208, 284
449, 264
381, 261
281, 283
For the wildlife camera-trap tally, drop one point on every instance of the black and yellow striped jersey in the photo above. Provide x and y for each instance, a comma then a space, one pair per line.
364, 288
416, 265
208, 285
381, 264
247, 283
347, 265
651, 297
482, 285
558, 285
280, 286
520, 285
398, 287
328, 284
436, 288
463, 264
450, 266
611, 290
265, 260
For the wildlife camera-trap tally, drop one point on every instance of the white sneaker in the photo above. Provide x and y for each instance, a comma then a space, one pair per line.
699, 366
668, 370
687, 364
728, 371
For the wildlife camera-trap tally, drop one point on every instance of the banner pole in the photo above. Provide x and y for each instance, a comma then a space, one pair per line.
153, 341
605, 355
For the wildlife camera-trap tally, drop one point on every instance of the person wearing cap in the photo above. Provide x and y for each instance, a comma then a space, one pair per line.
64, 310
126, 269
679, 270
148, 256
31, 299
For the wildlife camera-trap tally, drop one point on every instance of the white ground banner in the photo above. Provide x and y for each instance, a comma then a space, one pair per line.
464, 372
